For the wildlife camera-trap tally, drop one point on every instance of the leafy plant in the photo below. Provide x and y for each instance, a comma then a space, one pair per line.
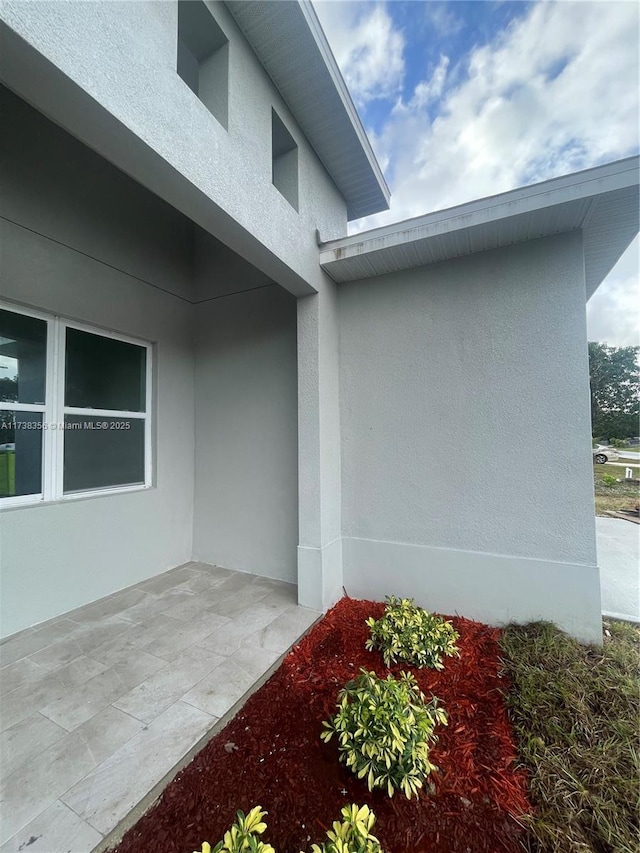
352, 835
618, 442
412, 635
608, 480
384, 728
242, 837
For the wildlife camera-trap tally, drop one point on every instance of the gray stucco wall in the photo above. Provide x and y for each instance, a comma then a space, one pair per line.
123, 55
465, 433
246, 497
82, 240
92, 246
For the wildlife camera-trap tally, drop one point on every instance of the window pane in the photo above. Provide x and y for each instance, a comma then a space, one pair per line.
23, 353
102, 452
101, 373
20, 453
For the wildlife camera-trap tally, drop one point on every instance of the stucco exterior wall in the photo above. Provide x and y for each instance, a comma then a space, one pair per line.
123, 55
88, 244
246, 496
457, 381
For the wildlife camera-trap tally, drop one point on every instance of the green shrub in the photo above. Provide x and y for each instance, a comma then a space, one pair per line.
608, 480
412, 635
352, 835
242, 837
384, 729
618, 442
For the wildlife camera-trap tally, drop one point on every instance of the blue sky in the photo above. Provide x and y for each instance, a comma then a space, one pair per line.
467, 99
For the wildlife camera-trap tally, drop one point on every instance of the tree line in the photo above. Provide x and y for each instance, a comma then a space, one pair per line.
615, 391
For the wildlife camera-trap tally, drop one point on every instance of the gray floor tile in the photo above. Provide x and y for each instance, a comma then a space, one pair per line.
285, 596
163, 582
220, 689
255, 661
228, 639
232, 603
79, 705
58, 654
138, 667
26, 700
144, 610
31, 736
18, 674
105, 733
108, 793
175, 595
137, 679
157, 693
185, 634
78, 671
205, 580
280, 634
156, 628
92, 635
26, 792
29, 643
57, 829
187, 610
109, 606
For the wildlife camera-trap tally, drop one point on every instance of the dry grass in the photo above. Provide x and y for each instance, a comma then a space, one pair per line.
576, 712
617, 496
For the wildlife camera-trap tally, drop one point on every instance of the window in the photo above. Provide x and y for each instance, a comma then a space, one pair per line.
203, 57
284, 160
74, 409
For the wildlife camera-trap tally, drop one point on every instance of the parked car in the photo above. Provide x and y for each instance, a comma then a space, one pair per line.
605, 454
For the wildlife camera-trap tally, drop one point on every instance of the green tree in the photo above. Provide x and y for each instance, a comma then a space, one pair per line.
615, 390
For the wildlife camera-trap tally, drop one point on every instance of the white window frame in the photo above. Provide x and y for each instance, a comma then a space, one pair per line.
54, 411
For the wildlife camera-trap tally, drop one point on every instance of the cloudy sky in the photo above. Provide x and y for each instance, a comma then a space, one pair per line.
467, 99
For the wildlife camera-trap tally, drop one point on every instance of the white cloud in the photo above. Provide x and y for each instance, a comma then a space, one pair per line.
429, 90
553, 93
613, 312
514, 119
367, 47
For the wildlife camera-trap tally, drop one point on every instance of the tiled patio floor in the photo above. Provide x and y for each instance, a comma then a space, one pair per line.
100, 704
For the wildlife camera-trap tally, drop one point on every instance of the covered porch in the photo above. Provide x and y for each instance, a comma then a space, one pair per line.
102, 705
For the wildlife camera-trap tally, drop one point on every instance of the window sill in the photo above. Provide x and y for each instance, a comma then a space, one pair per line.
28, 501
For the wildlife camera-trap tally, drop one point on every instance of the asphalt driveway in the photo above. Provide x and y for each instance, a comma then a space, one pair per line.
618, 543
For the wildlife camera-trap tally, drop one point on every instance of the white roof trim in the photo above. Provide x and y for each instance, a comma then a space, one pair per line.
288, 39
602, 201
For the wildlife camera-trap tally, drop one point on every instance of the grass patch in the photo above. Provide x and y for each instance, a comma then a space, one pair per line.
575, 712
617, 496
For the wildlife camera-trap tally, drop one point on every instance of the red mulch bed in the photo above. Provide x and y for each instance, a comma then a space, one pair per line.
471, 806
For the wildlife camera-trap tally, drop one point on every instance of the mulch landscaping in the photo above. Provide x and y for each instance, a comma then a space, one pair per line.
472, 805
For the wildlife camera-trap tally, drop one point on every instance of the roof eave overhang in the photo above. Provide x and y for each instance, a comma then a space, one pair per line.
290, 43
602, 202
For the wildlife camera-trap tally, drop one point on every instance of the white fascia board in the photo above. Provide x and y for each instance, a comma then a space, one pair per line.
338, 81
589, 183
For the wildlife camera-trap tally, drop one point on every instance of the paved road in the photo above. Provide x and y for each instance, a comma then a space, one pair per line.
626, 464
618, 544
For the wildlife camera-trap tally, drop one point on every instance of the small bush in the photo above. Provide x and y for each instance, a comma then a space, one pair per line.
608, 480
384, 729
352, 835
243, 835
412, 635
618, 442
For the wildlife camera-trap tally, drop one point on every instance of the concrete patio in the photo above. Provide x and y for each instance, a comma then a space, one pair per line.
619, 561
100, 704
